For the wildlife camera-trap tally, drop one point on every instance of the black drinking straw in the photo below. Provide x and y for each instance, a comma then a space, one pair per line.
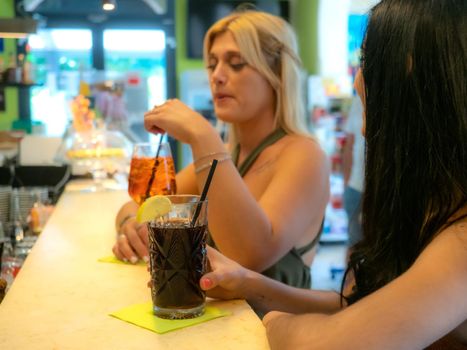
153, 170
205, 192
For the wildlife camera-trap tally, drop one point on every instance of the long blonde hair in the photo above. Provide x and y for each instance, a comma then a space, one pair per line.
268, 44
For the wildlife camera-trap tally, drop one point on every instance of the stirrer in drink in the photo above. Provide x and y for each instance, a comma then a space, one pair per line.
153, 170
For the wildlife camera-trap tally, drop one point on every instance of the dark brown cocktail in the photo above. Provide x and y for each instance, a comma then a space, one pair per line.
178, 259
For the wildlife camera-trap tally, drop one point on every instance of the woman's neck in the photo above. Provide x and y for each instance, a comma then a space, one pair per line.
251, 133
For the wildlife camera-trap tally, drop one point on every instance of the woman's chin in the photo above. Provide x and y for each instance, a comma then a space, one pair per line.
225, 117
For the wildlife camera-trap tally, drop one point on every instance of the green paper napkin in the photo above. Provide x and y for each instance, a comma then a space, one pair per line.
141, 315
112, 259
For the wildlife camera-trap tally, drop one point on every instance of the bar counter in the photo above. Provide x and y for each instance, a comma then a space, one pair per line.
62, 296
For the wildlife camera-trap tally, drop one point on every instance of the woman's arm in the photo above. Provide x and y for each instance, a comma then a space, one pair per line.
186, 181
412, 312
229, 280
256, 232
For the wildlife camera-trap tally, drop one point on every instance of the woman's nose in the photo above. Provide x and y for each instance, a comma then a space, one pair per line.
219, 75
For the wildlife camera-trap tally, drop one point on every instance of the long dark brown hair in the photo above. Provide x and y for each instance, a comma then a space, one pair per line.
414, 66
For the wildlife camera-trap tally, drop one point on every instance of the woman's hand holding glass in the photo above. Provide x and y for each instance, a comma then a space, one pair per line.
226, 278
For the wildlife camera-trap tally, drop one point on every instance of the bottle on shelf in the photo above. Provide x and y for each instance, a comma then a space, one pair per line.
13, 72
27, 67
39, 214
17, 220
19, 73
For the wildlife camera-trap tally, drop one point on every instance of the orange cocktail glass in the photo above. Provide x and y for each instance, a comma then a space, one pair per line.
150, 176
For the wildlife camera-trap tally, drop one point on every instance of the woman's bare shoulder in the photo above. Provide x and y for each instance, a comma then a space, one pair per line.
303, 148
451, 242
457, 227
460, 226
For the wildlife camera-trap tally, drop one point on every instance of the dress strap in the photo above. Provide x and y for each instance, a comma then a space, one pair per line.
248, 162
306, 248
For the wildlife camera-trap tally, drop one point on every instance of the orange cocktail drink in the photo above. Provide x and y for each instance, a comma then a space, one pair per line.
151, 175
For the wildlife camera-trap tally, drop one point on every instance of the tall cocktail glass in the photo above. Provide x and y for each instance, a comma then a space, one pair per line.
150, 175
177, 256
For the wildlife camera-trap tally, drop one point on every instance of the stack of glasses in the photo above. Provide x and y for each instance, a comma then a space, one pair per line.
5, 193
23, 199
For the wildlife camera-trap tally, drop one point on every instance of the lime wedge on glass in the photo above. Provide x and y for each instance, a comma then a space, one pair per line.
152, 208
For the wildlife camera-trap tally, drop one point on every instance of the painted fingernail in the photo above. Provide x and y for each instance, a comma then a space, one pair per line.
133, 259
207, 283
146, 258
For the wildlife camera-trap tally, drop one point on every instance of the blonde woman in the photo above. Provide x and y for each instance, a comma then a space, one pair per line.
268, 197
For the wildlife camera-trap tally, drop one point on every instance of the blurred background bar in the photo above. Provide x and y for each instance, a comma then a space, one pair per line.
75, 84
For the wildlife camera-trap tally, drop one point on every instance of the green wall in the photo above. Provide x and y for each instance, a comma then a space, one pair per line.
11, 94
183, 63
303, 17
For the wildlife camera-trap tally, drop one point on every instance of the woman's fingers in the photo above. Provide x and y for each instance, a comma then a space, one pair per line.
137, 245
214, 255
120, 251
117, 252
143, 234
212, 278
131, 243
209, 281
152, 118
215, 275
225, 279
125, 250
151, 123
176, 119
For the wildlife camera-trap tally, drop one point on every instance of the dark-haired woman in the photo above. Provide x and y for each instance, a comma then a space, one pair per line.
406, 283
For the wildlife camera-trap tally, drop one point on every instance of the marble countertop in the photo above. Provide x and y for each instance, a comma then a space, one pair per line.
62, 297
